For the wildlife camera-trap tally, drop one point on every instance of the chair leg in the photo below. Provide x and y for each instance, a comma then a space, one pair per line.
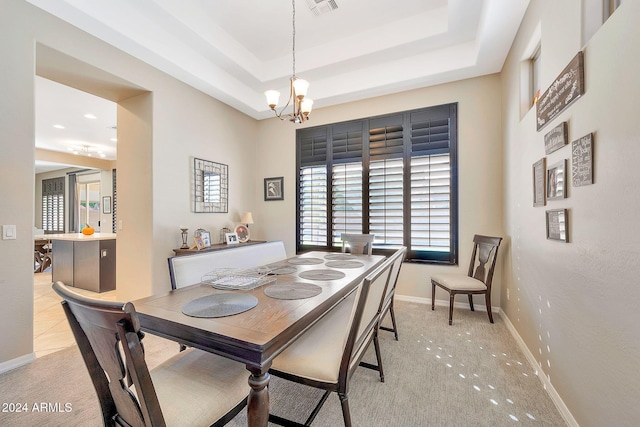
346, 414
487, 298
433, 296
451, 296
376, 345
393, 320
471, 302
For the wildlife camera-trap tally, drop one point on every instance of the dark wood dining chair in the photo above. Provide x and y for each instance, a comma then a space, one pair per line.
478, 279
387, 303
327, 355
192, 388
358, 244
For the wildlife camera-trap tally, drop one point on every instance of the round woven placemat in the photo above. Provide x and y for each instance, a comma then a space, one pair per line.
344, 264
292, 290
305, 261
220, 305
338, 256
283, 270
322, 274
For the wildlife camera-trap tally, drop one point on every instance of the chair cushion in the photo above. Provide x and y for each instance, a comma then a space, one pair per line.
459, 282
317, 354
196, 388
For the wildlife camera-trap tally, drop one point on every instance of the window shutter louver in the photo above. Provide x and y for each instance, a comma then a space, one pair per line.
313, 206
347, 141
386, 201
346, 200
313, 147
53, 205
386, 137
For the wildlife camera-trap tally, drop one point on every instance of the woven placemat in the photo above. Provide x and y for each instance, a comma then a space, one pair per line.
283, 270
305, 261
338, 256
292, 290
220, 305
344, 264
322, 274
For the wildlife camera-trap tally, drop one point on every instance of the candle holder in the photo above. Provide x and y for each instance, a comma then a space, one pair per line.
185, 235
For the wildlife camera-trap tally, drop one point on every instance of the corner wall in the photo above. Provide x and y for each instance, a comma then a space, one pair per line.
574, 304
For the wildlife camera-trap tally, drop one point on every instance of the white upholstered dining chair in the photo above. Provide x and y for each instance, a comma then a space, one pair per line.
327, 355
358, 244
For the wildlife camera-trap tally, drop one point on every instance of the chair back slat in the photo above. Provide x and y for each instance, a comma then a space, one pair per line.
485, 251
396, 259
108, 335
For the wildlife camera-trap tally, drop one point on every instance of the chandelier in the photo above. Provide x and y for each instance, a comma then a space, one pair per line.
297, 90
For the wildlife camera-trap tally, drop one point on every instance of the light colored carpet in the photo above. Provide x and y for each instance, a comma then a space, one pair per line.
468, 374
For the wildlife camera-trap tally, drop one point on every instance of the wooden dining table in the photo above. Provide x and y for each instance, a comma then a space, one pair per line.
254, 337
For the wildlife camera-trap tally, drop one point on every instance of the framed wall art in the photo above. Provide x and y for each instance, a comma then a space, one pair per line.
106, 204
556, 180
582, 161
539, 193
274, 188
557, 225
556, 138
210, 186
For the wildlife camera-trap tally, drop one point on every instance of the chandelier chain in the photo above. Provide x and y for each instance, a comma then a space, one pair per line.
293, 2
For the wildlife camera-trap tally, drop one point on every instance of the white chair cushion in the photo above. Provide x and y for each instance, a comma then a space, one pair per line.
317, 354
195, 388
459, 282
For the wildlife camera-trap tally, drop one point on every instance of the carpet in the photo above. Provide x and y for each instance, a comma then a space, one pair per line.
469, 374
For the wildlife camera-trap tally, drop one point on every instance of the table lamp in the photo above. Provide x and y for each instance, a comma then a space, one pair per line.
246, 219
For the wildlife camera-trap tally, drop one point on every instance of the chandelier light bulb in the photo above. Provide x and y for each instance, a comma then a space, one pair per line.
272, 98
300, 87
306, 105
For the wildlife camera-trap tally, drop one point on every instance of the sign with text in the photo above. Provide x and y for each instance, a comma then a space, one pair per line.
556, 139
582, 161
566, 88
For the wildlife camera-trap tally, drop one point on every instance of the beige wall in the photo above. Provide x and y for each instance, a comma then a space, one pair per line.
480, 168
575, 304
159, 133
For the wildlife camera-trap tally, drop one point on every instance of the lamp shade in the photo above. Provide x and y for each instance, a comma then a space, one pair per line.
306, 105
300, 87
247, 218
272, 98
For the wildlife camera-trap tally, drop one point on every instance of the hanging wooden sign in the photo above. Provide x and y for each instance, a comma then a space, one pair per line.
556, 138
566, 88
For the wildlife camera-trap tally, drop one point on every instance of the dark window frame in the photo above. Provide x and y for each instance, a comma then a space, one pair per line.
315, 147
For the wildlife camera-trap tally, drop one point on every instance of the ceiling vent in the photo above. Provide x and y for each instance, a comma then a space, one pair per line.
319, 7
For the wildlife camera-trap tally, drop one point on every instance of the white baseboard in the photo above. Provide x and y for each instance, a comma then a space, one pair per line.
17, 362
553, 394
443, 303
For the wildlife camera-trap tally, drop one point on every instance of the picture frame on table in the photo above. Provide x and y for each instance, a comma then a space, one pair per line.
199, 242
556, 180
274, 188
205, 235
242, 231
231, 238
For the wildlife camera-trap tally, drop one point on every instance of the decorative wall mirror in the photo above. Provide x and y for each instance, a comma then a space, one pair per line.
211, 186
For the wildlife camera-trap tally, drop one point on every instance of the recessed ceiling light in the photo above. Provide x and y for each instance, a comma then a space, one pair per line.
103, 155
58, 126
90, 116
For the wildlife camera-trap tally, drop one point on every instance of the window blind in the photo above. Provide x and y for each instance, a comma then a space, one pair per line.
313, 206
53, 205
346, 200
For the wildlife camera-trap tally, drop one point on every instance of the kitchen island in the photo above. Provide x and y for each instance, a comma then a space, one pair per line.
84, 261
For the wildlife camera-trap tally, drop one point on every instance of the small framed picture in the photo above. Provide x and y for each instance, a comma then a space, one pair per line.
206, 238
106, 204
243, 233
199, 242
274, 188
538, 182
556, 180
232, 238
557, 225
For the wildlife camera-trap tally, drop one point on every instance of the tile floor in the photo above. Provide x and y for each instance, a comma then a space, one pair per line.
51, 332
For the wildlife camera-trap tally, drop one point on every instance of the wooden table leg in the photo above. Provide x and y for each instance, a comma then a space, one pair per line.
258, 403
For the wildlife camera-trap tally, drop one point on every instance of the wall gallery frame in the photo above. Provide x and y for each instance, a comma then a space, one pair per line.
557, 225
539, 193
582, 161
274, 188
106, 204
556, 180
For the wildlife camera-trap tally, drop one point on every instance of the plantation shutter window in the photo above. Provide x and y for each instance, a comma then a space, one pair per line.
53, 205
394, 176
